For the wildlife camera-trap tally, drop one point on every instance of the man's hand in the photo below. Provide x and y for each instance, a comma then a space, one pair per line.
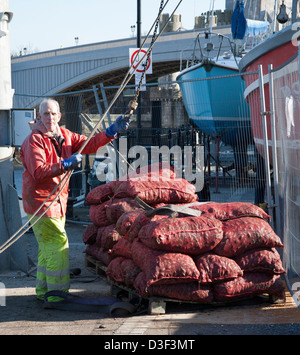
73, 162
120, 124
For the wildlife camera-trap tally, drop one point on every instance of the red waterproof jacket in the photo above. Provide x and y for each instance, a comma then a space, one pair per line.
41, 156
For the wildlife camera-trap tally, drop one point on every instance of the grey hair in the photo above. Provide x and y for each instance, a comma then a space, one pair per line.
46, 101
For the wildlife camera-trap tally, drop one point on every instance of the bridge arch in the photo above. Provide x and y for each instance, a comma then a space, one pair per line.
80, 67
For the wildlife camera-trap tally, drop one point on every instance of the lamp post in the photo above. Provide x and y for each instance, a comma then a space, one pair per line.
138, 22
138, 44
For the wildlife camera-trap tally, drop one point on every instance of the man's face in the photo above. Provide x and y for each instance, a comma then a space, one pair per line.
50, 116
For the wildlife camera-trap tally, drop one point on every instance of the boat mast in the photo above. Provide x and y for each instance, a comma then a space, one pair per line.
212, 15
294, 11
274, 24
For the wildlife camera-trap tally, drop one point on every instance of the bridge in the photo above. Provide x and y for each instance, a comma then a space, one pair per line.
80, 67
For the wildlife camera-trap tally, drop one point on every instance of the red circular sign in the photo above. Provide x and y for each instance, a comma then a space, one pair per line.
132, 58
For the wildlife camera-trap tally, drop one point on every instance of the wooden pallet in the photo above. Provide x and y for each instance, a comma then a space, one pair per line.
95, 266
156, 305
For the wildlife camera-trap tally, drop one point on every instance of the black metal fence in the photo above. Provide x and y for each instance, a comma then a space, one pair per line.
164, 122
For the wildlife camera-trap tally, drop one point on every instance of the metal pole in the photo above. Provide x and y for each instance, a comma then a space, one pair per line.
274, 23
274, 148
98, 103
212, 15
105, 102
138, 22
265, 138
111, 154
138, 44
294, 10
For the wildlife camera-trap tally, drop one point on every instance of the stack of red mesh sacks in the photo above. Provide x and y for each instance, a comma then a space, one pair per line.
227, 253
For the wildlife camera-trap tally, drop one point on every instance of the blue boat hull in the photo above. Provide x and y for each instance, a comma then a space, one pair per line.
217, 105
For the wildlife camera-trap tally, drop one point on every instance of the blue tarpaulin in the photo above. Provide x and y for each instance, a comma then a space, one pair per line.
240, 26
238, 21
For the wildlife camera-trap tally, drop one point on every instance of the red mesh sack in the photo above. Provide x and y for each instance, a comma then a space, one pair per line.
98, 215
99, 235
121, 248
261, 260
89, 234
129, 271
109, 237
193, 291
114, 270
154, 172
160, 171
246, 233
92, 250
117, 206
123, 270
127, 220
215, 268
140, 221
104, 256
230, 210
114, 185
190, 235
153, 192
98, 253
250, 284
161, 267
99, 194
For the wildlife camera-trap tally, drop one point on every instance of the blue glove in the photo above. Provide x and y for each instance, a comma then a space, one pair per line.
73, 162
119, 125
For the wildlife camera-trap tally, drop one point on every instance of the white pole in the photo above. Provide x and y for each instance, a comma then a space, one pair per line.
6, 92
274, 23
294, 10
265, 139
212, 15
274, 148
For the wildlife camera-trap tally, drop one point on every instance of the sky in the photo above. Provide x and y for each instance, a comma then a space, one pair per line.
40, 25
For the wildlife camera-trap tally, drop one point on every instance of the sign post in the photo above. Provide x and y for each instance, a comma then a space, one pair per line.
134, 58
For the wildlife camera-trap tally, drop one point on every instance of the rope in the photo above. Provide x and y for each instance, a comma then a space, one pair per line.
15, 237
67, 176
129, 76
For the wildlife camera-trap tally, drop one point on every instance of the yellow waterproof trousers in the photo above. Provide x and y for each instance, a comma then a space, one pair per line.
53, 256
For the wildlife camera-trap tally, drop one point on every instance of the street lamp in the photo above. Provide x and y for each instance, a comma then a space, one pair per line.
5, 18
132, 30
76, 40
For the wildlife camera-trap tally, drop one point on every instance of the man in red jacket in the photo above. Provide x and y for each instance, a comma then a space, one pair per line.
47, 154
